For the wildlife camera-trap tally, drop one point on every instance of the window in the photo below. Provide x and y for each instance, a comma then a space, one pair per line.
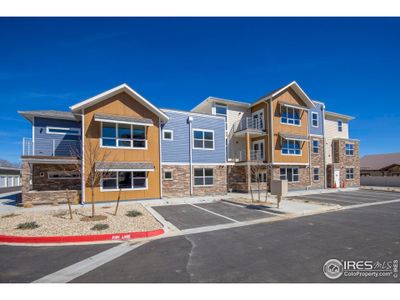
63, 130
315, 144
340, 125
262, 177
125, 180
123, 135
3, 181
349, 149
316, 174
289, 174
291, 147
168, 175
258, 119
203, 177
63, 175
203, 139
290, 115
314, 119
221, 109
349, 173
168, 135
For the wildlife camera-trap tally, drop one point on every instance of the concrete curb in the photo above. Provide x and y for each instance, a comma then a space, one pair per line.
9, 239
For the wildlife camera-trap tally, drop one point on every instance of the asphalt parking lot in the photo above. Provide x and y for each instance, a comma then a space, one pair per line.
186, 216
351, 197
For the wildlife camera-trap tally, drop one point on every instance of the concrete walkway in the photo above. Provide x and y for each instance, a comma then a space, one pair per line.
381, 188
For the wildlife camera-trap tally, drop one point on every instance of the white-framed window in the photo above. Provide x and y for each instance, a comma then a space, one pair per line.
124, 180
291, 147
315, 144
203, 139
349, 173
349, 149
63, 175
290, 116
3, 181
258, 152
258, 119
314, 119
221, 109
203, 176
316, 174
168, 175
168, 135
63, 130
10, 181
16, 181
123, 136
262, 177
289, 174
340, 125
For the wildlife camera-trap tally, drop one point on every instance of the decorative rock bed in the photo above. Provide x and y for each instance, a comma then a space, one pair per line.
57, 222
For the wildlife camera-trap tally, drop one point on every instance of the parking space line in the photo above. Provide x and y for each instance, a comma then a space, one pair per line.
260, 210
371, 204
217, 214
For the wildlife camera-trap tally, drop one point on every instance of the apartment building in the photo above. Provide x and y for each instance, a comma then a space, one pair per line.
289, 134
144, 152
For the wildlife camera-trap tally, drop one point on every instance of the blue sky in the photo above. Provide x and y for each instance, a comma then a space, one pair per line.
352, 64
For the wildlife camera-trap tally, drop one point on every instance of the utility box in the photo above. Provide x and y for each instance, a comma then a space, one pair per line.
279, 188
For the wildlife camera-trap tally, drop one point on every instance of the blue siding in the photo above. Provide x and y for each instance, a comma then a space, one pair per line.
63, 145
318, 109
178, 149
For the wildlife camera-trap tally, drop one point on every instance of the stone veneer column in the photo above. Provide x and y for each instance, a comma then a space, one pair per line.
25, 179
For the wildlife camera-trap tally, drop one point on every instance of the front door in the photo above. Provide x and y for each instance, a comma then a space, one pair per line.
337, 178
258, 150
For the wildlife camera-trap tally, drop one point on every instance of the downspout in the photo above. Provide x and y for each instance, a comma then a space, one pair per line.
161, 166
271, 136
83, 158
33, 136
309, 153
190, 120
323, 141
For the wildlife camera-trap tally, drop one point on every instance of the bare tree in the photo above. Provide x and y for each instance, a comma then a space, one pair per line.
117, 206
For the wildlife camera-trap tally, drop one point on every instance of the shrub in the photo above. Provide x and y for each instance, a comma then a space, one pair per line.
28, 225
133, 213
99, 227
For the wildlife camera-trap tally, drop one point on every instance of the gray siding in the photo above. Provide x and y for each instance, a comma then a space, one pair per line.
177, 150
318, 109
55, 144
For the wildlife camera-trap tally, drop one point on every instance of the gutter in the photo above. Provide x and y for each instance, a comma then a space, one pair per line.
324, 151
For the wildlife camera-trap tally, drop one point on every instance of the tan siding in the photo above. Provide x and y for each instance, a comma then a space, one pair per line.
124, 105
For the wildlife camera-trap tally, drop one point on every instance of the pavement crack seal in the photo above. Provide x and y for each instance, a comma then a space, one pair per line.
80, 268
190, 257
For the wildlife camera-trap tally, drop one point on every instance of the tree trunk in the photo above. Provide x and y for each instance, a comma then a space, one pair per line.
259, 190
116, 207
92, 201
69, 203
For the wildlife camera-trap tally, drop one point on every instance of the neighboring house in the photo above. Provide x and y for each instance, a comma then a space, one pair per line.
292, 135
10, 179
380, 165
154, 153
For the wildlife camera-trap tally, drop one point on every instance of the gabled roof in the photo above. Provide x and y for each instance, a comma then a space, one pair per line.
379, 161
294, 86
114, 91
50, 114
223, 101
339, 116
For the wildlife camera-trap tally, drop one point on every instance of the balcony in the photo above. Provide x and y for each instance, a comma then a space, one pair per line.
255, 156
254, 126
50, 147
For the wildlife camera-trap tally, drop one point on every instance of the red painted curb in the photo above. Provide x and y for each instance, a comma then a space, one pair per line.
79, 238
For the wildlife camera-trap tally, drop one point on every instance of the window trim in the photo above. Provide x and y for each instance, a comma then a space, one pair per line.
285, 168
170, 131
286, 107
352, 173
313, 113
318, 174
340, 125
288, 154
48, 128
172, 175
352, 150
221, 105
118, 139
204, 130
258, 113
203, 177
313, 147
126, 189
63, 178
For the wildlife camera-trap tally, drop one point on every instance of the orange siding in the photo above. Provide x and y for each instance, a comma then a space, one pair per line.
124, 105
265, 107
291, 97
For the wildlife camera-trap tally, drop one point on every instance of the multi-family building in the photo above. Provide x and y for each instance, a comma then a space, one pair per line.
144, 152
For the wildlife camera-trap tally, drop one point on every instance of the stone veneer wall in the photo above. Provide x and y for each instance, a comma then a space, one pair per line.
317, 161
51, 197
179, 186
341, 161
237, 178
304, 177
41, 181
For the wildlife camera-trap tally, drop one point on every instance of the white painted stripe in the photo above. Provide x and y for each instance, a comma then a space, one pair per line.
80, 268
217, 214
260, 210
370, 204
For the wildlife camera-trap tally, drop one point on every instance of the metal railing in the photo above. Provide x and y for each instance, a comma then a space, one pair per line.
50, 147
249, 123
255, 155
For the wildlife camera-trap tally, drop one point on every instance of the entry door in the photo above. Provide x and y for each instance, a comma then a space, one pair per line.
258, 150
337, 178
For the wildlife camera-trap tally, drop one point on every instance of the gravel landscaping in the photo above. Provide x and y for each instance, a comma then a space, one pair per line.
56, 222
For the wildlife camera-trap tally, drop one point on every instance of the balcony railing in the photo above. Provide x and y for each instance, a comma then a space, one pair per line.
255, 155
249, 123
50, 147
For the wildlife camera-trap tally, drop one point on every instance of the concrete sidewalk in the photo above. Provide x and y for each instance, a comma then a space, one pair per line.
381, 188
